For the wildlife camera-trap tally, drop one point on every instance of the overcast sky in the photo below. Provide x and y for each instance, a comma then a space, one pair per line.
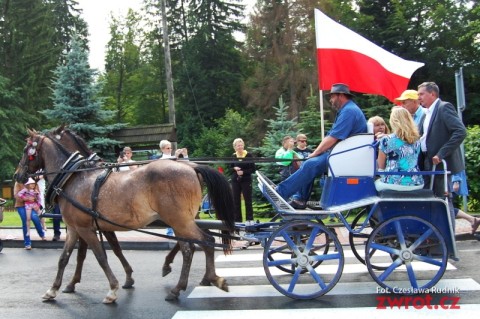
97, 14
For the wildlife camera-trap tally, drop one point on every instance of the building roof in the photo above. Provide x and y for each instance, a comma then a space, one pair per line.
146, 135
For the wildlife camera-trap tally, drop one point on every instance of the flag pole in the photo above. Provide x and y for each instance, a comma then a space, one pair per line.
322, 124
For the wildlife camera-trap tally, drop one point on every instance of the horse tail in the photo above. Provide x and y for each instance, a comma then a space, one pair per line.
221, 198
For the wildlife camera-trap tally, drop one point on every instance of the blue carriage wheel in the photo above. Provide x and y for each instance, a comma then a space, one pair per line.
413, 250
298, 239
303, 248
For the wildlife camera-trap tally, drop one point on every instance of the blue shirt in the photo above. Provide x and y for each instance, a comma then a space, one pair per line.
350, 121
418, 116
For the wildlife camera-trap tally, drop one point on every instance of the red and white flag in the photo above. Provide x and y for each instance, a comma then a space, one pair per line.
346, 57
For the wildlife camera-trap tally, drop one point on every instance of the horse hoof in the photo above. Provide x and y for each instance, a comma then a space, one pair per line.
69, 289
166, 270
128, 284
49, 295
171, 297
222, 284
109, 299
205, 282
111, 296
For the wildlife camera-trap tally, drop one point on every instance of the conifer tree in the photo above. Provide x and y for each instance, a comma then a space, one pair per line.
278, 128
76, 101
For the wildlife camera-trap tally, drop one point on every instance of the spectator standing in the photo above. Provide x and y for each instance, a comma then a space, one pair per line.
166, 153
124, 157
242, 181
41, 187
20, 206
460, 188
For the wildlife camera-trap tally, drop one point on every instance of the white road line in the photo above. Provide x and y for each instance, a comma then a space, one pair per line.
253, 257
341, 288
467, 311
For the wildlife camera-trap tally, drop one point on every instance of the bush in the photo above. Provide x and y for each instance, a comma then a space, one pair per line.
472, 163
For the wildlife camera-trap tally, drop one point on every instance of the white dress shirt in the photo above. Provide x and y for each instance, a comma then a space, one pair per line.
426, 124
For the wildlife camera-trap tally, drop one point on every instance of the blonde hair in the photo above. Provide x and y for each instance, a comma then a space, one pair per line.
379, 120
403, 125
237, 140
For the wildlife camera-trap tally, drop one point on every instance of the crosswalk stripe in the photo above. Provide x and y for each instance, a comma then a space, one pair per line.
254, 257
341, 288
322, 269
466, 311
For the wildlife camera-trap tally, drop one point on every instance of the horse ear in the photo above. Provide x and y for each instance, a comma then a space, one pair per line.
31, 133
59, 129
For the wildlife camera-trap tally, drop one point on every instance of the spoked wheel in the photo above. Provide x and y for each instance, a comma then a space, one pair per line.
364, 234
300, 240
298, 263
414, 251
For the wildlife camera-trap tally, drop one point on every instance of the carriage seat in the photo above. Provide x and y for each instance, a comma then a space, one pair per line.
420, 193
354, 156
351, 172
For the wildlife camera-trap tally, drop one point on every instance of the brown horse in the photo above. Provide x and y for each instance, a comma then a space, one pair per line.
72, 142
130, 200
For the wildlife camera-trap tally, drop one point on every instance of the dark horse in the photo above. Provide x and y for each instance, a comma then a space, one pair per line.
170, 191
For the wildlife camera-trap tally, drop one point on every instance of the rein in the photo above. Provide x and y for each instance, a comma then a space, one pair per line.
97, 215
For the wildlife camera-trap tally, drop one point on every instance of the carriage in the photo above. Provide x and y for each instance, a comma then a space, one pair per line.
403, 233
406, 232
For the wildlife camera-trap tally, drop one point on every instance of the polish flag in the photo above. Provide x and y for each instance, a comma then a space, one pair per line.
346, 57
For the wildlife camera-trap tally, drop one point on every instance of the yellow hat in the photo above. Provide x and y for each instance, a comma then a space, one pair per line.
408, 95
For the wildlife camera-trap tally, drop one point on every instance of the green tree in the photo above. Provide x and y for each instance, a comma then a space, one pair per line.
122, 64
442, 34
12, 128
209, 71
278, 128
76, 101
33, 35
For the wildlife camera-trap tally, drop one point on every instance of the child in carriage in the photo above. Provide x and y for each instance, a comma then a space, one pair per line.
31, 199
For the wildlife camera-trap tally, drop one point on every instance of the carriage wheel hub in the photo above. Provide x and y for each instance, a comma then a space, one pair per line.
303, 260
406, 255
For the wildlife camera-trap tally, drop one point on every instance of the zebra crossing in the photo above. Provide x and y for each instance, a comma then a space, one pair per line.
237, 266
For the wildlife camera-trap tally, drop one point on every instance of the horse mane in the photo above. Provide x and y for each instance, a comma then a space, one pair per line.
57, 133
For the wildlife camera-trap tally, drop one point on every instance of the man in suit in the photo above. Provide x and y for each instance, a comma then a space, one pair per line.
442, 132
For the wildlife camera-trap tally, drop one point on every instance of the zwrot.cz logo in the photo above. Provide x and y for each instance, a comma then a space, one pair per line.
418, 302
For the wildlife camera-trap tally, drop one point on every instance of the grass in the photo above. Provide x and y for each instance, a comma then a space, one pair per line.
12, 219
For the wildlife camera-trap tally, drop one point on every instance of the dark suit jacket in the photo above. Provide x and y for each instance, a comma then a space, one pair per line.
446, 133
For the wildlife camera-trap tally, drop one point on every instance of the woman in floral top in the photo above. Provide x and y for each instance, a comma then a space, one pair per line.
398, 152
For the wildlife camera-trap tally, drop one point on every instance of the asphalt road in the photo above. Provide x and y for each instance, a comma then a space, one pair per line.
26, 275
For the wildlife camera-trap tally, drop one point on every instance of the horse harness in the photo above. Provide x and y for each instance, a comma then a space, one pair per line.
70, 167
